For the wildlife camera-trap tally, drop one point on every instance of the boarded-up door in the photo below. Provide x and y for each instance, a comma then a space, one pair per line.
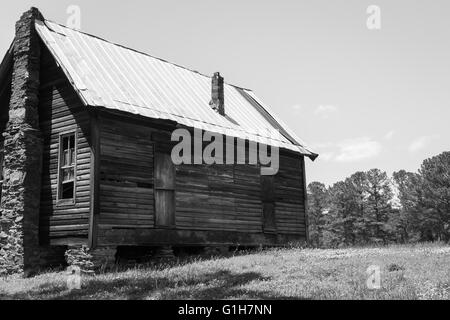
268, 200
164, 190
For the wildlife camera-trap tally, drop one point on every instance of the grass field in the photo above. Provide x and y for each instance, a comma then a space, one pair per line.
406, 272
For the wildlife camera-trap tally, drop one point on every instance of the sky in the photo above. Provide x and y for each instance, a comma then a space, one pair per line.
362, 98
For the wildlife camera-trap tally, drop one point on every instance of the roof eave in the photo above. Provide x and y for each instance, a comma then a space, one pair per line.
313, 156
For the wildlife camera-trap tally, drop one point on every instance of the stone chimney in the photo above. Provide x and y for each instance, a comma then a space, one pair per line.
20, 201
217, 95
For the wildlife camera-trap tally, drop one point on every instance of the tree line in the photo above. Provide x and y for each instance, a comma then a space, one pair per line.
373, 208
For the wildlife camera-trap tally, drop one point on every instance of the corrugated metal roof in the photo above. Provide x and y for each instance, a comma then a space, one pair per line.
109, 75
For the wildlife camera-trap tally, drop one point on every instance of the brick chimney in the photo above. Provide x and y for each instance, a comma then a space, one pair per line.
217, 95
20, 201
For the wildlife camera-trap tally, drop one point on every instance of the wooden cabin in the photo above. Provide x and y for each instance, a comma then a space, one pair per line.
106, 114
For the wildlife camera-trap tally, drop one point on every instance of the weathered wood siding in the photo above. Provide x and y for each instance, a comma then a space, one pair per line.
289, 196
60, 110
209, 199
126, 176
228, 197
218, 197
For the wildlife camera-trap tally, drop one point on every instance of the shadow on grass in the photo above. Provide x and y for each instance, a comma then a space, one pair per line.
209, 286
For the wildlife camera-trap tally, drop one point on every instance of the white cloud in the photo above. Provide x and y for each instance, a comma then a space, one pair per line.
389, 135
422, 142
325, 110
326, 156
349, 150
322, 145
357, 149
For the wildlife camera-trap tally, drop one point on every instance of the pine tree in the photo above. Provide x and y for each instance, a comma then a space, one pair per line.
317, 204
360, 209
407, 221
435, 186
357, 187
378, 202
342, 213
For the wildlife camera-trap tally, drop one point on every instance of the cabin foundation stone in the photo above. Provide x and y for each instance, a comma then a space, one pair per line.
79, 256
23, 145
89, 260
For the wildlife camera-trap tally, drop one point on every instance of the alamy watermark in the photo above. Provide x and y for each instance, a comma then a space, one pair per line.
374, 280
74, 18
73, 278
222, 149
374, 19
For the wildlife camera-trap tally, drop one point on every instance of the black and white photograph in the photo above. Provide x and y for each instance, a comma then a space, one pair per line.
242, 152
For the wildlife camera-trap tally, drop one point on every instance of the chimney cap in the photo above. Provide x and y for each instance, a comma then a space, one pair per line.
35, 13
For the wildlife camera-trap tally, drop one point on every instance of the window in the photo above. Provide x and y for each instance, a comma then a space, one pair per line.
67, 168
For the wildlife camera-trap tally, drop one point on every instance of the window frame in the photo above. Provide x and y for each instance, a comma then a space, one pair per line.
60, 202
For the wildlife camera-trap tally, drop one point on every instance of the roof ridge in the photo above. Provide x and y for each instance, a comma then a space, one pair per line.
140, 52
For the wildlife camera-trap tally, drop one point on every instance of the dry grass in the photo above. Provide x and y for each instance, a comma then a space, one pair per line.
407, 272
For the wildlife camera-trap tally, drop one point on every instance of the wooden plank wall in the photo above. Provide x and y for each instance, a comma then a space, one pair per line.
126, 176
218, 197
60, 110
208, 197
289, 196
